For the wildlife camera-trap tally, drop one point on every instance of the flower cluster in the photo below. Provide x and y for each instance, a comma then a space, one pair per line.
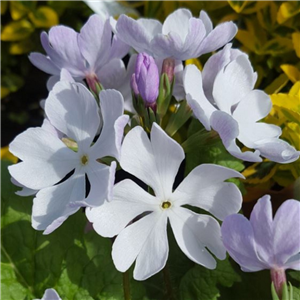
71, 160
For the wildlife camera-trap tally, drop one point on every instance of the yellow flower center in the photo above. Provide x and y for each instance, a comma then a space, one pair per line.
84, 159
166, 204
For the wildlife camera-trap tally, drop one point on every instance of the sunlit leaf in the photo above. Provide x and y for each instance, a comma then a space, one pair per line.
276, 46
6, 155
4, 91
44, 17
260, 172
195, 62
292, 72
267, 16
277, 84
21, 47
18, 10
248, 40
208, 6
288, 10
17, 30
238, 6
296, 42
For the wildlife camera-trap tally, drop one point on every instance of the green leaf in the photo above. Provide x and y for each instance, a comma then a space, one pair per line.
77, 264
178, 118
252, 286
203, 284
273, 292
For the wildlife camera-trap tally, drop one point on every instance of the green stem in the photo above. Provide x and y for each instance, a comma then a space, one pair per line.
126, 286
168, 285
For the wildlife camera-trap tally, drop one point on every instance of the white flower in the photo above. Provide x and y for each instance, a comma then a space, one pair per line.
46, 160
223, 98
156, 163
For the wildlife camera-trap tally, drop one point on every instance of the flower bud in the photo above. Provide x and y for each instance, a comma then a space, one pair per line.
168, 68
146, 80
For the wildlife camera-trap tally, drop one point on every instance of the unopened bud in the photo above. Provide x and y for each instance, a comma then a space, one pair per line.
168, 67
93, 83
146, 79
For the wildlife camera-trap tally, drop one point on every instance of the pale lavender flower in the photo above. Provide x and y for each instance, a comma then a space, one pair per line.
264, 242
46, 159
180, 37
83, 54
50, 294
223, 98
156, 163
145, 80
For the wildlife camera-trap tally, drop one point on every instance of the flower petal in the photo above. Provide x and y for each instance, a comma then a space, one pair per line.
94, 41
43, 63
137, 34
233, 83
146, 237
255, 106
101, 178
251, 133
154, 254
228, 130
62, 48
51, 206
178, 22
129, 201
277, 150
156, 163
218, 37
214, 65
262, 223
109, 141
72, 109
46, 159
286, 228
112, 74
204, 188
238, 239
173, 45
50, 294
203, 16
202, 108
193, 233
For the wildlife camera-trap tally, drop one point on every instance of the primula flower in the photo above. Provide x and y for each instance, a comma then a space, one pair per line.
83, 54
145, 80
264, 242
223, 98
181, 36
156, 163
46, 160
50, 294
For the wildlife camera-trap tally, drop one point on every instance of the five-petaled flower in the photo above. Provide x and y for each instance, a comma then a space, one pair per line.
264, 242
156, 163
222, 98
46, 160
